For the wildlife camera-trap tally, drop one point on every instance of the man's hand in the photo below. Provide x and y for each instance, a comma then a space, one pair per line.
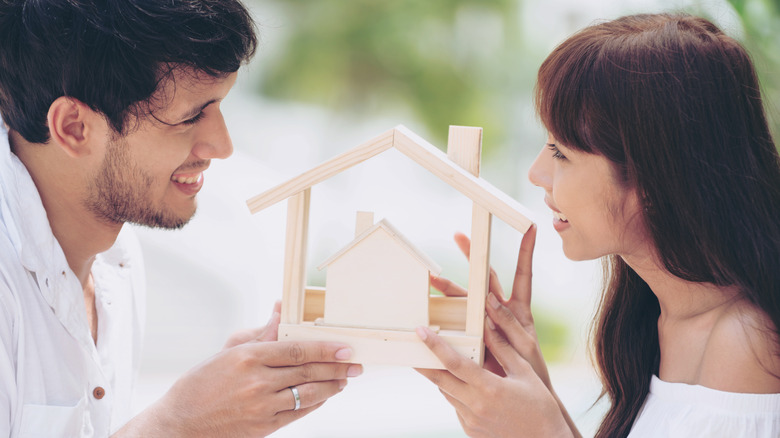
268, 333
245, 390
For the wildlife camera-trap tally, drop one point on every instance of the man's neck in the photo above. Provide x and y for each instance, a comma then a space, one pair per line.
80, 234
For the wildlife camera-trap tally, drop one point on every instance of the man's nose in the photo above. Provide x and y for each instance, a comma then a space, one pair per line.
213, 140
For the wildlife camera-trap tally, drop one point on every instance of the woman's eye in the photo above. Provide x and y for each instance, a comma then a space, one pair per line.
556, 153
194, 120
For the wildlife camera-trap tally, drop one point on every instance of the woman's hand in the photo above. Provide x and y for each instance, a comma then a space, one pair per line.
514, 371
488, 405
513, 314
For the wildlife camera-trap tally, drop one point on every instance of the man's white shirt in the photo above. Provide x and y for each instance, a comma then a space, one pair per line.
55, 381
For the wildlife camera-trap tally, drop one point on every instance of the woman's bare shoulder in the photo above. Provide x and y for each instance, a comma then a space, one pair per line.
743, 353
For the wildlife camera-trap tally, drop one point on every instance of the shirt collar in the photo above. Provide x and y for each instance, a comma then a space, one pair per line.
23, 214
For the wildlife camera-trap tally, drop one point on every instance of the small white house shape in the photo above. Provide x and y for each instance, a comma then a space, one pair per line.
380, 280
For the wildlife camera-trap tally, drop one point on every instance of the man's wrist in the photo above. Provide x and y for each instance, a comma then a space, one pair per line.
152, 422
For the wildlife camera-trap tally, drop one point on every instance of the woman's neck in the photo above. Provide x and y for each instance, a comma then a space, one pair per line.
698, 326
680, 299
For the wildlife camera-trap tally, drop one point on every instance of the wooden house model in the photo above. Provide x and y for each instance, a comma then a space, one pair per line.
310, 313
379, 281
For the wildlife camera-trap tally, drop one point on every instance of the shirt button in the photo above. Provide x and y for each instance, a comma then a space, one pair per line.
98, 392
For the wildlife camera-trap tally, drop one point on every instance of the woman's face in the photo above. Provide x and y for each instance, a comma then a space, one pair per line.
594, 214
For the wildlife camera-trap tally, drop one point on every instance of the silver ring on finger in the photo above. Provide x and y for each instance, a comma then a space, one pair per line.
297, 397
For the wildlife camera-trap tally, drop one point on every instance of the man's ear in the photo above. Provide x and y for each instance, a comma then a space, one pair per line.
72, 123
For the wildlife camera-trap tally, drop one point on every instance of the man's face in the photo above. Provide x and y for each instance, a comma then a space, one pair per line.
152, 175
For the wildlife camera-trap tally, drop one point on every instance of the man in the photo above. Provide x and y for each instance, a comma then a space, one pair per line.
111, 114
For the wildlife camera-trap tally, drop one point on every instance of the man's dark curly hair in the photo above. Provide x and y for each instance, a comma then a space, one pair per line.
110, 54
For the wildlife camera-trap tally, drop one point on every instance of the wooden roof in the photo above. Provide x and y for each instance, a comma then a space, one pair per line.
421, 152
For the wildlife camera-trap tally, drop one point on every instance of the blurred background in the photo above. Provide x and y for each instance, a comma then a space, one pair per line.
331, 74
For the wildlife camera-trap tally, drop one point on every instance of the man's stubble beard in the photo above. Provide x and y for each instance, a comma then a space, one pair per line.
120, 192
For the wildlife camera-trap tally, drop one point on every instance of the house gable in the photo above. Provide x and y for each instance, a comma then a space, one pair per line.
388, 229
377, 283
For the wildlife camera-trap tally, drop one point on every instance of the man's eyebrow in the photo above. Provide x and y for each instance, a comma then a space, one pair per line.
195, 111
187, 116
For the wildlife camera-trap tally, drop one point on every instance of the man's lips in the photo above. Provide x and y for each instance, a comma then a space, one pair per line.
188, 183
187, 178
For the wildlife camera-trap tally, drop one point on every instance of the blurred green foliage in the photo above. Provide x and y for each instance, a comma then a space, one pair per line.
761, 22
442, 62
554, 334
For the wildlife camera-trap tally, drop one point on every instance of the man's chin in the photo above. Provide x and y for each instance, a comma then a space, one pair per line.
164, 221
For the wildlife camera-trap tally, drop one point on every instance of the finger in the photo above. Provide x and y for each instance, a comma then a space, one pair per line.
494, 285
286, 417
463, 411
309, 394
460, 408
464, 243
471, 424
504, 352
460, 367
519, 336
271, 331
447, 287
521, 287
291, 353
443, 379
314, 372
491, 364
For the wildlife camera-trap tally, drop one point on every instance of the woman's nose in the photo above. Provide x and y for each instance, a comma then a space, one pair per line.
540, 173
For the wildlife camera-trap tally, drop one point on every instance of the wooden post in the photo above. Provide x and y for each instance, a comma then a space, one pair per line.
294, 285
464, 147
479, 270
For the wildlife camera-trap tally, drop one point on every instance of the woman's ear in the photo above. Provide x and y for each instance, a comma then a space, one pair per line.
71, 125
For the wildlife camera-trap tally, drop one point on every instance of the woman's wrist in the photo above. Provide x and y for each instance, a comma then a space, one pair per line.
566, 417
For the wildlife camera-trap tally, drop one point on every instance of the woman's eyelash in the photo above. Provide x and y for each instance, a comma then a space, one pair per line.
194, 120
556, 153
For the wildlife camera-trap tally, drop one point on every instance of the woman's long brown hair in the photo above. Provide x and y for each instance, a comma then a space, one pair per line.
675, 105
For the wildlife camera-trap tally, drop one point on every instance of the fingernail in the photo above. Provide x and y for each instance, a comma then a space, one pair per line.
490, 323
342, 384
344, 354
493, 301
354, 370
422, 333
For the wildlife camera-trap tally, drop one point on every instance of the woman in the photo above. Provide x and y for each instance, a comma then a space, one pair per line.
659, 159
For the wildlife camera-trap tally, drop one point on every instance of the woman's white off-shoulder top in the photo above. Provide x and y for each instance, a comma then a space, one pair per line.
684, 411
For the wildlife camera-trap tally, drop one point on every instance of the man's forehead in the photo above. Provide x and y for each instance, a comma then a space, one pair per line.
181, 91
